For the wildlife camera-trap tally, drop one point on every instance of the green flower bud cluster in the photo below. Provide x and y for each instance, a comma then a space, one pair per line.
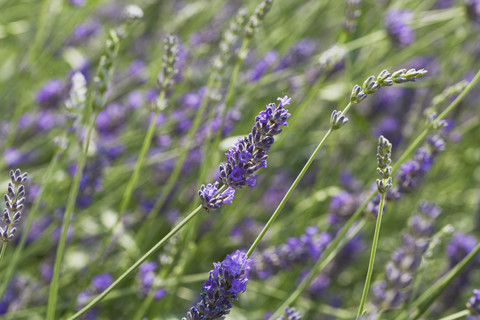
105, 70
384, 170
257, 18
384, 79
229, 39
337, 120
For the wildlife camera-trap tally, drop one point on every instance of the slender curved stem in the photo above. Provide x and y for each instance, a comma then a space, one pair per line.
368, 279
229, 99
72, 197
292, 188
421, 305
458, 315
137, 263
288, 194
336, 244
183, 154
127, 195
141, 158
2, 253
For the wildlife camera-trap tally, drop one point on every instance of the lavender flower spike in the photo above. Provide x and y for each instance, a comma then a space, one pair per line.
14, 199
227, 279
247, 156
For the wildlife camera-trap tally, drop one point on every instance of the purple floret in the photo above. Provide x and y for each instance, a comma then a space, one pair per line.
396, 24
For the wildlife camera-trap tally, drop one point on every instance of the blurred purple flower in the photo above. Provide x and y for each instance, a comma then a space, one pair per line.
51, 94
78, 3
301, 51
396, 24
262, 65
472, 8
84, 32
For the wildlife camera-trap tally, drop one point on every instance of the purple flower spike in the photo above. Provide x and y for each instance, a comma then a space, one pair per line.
247, 156
226, 281
14, 203
250, 153
400, 270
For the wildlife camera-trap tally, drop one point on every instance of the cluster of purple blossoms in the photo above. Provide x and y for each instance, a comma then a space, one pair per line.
396, 24
473, 306
210, 197
14, 199
226, 281
146, 277
290, 314
247, 156
296, 251
99, 284
399, 271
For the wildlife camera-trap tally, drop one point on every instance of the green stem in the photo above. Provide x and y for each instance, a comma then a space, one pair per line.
147, 301
37, 42
229, 98
458, 315
141, 158
421, 305
460, 97
288, 194
137, 263
2, 253
233, 81
183, 155
330, 252
53, 292
337, 242
292, 188
127, 195
19, 248
376, 235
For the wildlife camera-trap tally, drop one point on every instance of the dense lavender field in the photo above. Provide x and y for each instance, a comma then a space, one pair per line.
227, 159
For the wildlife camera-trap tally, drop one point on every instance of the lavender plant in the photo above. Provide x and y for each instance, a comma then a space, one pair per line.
97, 103
247, 156
98, 187
384, 184
392, 292
14, 204
226, 281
